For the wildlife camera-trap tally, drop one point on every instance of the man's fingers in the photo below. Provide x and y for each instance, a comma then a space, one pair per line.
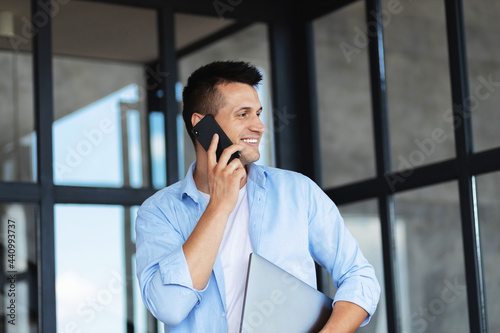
211, 152
228, 152
234, 166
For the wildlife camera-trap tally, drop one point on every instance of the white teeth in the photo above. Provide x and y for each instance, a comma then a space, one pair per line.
250, 140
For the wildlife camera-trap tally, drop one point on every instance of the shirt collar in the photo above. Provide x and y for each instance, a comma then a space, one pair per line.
189, 186
255, 173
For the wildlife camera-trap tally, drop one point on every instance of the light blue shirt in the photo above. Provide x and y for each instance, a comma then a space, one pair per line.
292, 224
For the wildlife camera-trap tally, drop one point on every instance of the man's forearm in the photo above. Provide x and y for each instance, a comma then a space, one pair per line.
346, 318
202, 246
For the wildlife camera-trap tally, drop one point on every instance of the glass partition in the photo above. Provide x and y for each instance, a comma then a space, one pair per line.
96, 287
483, 55
17, 127
488, 192
344, 104
104, 66
418, 83
431, 275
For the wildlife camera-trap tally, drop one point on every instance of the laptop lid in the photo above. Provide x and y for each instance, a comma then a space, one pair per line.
276, 301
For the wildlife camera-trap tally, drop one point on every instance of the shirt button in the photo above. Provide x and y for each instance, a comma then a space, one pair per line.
223, 314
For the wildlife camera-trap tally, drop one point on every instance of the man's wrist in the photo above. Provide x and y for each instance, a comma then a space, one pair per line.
219, 210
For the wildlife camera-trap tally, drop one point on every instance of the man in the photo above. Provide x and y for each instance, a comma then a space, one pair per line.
194, 237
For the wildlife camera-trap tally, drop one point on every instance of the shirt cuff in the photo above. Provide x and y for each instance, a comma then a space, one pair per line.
174, 270
358, 293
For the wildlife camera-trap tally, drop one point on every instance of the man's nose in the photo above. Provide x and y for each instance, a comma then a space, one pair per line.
257, 125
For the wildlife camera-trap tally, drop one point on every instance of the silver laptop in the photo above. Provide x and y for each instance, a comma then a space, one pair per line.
276, 301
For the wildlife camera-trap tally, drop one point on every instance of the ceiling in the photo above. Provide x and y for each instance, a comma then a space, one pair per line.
99, 30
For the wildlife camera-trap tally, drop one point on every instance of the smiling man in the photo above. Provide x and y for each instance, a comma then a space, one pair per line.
194, 237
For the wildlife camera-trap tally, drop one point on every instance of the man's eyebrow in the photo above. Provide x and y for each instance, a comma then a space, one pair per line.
246, 108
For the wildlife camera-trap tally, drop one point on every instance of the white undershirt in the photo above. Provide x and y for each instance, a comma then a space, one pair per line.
234, 251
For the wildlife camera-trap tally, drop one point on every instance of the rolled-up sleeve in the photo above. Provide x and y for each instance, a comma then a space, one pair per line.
162, 270
334, 248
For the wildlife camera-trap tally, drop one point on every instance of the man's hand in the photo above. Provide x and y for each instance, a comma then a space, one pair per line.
224, 180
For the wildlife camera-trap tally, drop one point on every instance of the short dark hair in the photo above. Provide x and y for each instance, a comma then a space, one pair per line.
201, 95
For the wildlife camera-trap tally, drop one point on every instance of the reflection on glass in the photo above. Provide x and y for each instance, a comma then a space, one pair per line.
90, 267
488, 189
18, 259
134, 148
418, 83
96, 285
247, 45
364, 224
102, 78
86, 138
344, 104
483, 53
133, 216
431, 275
157, 144
17, 127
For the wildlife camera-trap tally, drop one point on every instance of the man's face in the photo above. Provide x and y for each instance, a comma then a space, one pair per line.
239, 118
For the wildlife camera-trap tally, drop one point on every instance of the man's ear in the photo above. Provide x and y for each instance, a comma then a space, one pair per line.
195, 118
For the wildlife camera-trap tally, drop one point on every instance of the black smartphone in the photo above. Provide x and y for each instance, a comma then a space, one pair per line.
204, 131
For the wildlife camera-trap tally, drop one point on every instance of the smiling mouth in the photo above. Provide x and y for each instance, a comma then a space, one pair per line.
250, 140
